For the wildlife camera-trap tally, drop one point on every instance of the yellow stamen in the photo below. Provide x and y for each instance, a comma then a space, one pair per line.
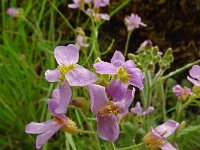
69, 125
64, 69
109, 109
122, 75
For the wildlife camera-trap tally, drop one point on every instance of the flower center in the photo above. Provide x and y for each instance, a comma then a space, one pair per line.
68, 125
111, 108
122, 75
64, 69
152, 142
184, 95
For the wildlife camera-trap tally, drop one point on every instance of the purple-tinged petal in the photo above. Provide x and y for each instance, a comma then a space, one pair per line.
98, 98
137, 109
177, 89
52, 105
128, 98
149, 110
195, 72
105, 68
80, 76
124, 103
195, 82
116, 89
129, 64
52, 75
42, 138
107, 127
56, 95
118, 63
104, 16
136, 78
117, 56
167, 146
37, 128
66, 55
167, 128
65, 96
74, 6
101, 3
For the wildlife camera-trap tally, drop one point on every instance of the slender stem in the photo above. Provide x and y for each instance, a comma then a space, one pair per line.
62, 16
131, 147
190, 100
179, 70
86, 132
179, 110
127, 43
121, 6
113, 146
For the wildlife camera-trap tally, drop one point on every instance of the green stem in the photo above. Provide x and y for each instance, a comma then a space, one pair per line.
127, 43
121, 6
131, 147
113, 146
86, 132
62, 16
179, 70
179, 111
190, 100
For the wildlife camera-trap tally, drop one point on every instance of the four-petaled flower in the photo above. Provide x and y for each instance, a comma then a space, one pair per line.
195, 75
182, 93
57, 105
106, 111
138, 110
124, 74
133, 21
157, 137
67, 58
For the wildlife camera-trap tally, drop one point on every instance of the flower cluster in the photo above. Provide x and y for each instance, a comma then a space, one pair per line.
92, 11
108, 102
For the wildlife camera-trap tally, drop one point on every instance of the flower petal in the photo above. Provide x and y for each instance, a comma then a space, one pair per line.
67, 54
149, 110
80, 76
52, 75
107, 127
167, 128
105, 68
42, 138
136, 78
195, 82
195, 72
104, 16
116, 90
98, 98
55, 94
37, 128
137, 109
65, 96
129, 64
117, 56
128, 98
167, 146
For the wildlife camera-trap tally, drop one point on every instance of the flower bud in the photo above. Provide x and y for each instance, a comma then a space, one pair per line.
81, 103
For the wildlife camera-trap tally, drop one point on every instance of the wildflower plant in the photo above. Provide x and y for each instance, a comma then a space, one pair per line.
122, 94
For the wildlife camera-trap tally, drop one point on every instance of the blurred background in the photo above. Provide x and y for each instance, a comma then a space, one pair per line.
27, 44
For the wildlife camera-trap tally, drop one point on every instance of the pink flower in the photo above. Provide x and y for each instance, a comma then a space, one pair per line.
57, 105
182, 93
133, 21
14, 12
157, 137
